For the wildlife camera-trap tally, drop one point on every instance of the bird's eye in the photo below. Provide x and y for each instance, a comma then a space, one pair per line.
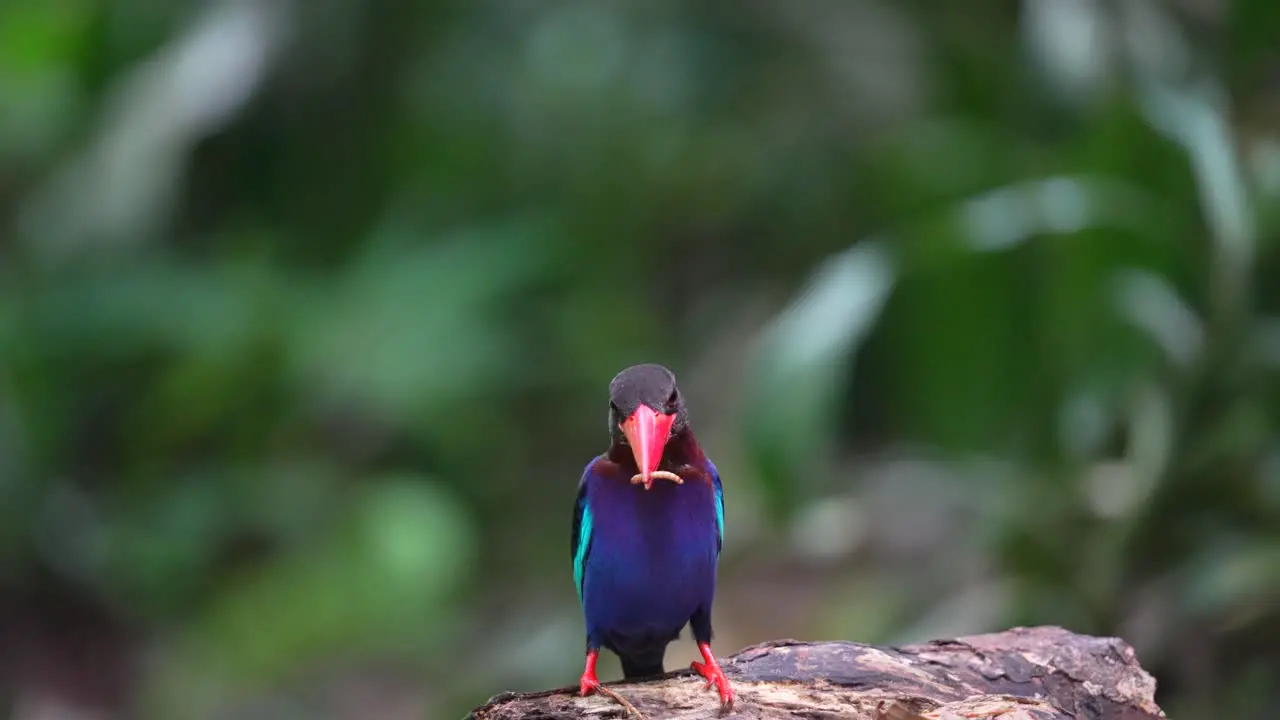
675, 398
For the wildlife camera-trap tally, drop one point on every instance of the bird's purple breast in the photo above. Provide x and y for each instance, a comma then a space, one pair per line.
653, 554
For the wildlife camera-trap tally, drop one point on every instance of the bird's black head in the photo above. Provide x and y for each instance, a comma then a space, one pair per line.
645, 409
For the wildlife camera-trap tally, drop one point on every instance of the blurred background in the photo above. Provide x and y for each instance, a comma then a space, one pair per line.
308, 312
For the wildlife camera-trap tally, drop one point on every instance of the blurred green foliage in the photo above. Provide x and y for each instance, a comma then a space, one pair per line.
307, 312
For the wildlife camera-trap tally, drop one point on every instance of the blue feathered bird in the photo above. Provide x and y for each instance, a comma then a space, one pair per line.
647, 529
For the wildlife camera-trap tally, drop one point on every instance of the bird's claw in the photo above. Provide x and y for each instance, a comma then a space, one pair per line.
589, 684
639, 479
716, 677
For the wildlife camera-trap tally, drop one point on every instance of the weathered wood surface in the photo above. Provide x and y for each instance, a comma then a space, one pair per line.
1042, 673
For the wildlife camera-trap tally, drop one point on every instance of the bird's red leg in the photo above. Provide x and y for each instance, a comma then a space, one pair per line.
589, 683
710, 669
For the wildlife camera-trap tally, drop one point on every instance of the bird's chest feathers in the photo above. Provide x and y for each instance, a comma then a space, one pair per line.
662, 539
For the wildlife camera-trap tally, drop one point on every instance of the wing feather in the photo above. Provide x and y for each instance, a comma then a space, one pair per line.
715, 483
580, 541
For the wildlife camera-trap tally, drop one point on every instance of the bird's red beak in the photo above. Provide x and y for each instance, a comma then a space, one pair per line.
647, 433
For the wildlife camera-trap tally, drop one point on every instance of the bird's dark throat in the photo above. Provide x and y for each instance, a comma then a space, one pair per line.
682, 457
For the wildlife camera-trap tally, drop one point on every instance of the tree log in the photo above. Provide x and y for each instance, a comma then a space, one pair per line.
1041, 673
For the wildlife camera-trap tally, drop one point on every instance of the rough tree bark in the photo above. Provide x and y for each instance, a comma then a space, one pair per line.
1042, 673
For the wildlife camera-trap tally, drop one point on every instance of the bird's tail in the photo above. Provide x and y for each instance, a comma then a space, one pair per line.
642, 665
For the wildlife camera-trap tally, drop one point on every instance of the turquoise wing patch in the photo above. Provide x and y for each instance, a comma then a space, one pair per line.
581, 546
720, 512
715, 483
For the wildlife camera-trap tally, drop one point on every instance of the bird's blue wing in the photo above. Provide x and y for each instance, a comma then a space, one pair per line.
580, 542
715, 483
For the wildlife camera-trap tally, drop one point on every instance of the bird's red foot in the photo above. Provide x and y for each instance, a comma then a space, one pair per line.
589, 684
710, 669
